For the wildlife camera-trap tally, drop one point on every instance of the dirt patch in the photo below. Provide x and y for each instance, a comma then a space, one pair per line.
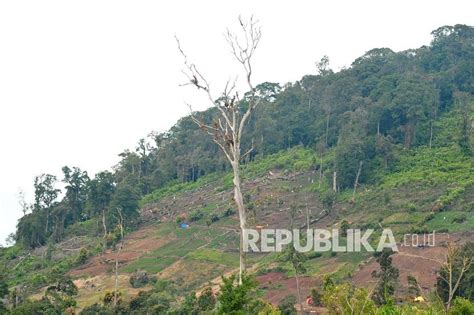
419, 262
137, 243
278, 286
92, 290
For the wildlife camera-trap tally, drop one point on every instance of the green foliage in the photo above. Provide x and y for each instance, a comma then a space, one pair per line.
141, 278
387, 278
345, 299
287, 305
196, 215
466, 285
316, 297
461, 306
235, 298
206, 301
83, 255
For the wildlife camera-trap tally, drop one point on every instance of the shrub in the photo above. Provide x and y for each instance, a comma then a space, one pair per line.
206, 300
411, 207
459, 219
287, 305
344, 227
317, 297
229, 212
140, 278
82, 257
462, 306
214, 218
195, 215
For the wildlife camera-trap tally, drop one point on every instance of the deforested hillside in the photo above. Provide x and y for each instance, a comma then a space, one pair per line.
385, 143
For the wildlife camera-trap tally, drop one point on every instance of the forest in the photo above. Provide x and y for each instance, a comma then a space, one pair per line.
359, 123
384, 100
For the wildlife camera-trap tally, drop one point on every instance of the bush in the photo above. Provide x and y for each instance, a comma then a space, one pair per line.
459, 219
462, 306
411, 207
344, 227
317, 297
140, 278
287, 305
214, 218
195, 215
206, 300
83, 255
229, 212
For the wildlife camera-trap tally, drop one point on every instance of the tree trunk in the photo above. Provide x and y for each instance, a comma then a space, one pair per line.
307, 211
239, 201
117, 261
47, 221
334, 181
103, 223
298, 291
320, 171
327, 127
431, 132
356, 182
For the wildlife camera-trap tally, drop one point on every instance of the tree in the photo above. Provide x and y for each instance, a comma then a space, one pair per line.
345, 299
45, 196
464, 141
388, 278
232, 113
351, 149
76, 182
323, 66
3, 290
287, 305
235, 298
101, 189
125, 198
295, 258
455, 267
462, 306
121, 228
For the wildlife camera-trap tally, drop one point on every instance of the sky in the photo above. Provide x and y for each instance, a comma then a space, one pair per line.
81, 81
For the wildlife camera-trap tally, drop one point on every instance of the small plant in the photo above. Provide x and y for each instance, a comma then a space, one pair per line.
287, 305
195, 215
229, 212
214, 218
316, 297
141, 278
83, 255
344, 227
179, 220
459, 219
411, 207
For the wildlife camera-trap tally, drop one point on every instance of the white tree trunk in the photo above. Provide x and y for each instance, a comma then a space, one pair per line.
239, 201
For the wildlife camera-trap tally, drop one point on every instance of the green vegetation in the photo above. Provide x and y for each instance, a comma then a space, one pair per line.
384, 143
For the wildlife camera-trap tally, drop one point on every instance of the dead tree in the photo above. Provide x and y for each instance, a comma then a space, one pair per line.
228, 126
356, 182
452, 255
120, 226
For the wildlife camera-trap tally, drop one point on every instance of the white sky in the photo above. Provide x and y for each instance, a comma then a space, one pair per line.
80, 81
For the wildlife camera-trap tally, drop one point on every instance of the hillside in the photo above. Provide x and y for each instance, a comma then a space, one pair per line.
402, 121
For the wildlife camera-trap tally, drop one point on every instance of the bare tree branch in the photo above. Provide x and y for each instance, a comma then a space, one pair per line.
226, 130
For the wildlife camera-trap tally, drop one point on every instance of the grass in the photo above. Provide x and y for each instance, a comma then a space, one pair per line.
216, 256
295, 159
447, 220
149, 264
